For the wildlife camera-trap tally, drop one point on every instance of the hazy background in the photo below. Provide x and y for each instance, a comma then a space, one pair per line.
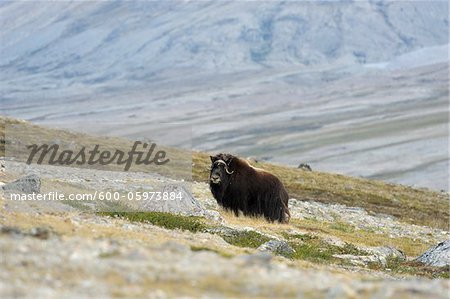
355, 87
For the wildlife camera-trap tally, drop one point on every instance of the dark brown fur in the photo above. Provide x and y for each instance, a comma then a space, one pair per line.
252, 191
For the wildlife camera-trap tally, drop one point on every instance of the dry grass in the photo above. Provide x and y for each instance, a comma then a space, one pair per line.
409, 246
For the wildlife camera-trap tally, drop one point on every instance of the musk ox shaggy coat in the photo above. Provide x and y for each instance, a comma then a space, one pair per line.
237, 186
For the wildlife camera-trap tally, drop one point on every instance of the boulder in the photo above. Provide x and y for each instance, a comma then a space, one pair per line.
28, 184
438, 256
380, 255
186, 204
277, 247
305, 166
384, 253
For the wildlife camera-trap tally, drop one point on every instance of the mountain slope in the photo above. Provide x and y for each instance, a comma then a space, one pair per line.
355, 87
93, 43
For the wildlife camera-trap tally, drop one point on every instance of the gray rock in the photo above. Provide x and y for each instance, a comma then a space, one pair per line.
379, 255
438, 256
277, 247
305, 166
10, 230
28, 184
258, 258
213, 215
383, 253
40, 232
187, 205
224, 231
358, 260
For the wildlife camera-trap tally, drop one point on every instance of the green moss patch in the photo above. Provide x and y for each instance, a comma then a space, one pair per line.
166, 220
316, 250
248, 239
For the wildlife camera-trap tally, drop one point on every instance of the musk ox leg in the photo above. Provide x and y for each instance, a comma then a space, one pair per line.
273, 208
288, 214
285, 216
285, 202
272, 205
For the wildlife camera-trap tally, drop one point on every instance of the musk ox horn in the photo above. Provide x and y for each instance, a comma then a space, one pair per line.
226, 166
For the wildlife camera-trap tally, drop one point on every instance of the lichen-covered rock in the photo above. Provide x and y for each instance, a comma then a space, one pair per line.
304, 166
384, 253
40, 232
184, 204
379, 255
28, 184
277, 247
358, 260
438, 256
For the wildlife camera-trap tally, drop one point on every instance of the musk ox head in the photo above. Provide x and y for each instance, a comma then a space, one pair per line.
221, 169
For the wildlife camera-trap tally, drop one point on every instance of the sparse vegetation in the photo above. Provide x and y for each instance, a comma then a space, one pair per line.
361, 237
249, 239
344, 227
316, 250
166, 220
397, 266
302, 237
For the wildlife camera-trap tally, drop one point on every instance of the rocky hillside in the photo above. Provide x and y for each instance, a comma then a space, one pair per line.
348, 237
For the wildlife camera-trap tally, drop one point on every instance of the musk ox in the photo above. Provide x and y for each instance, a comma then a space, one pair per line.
237, 186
